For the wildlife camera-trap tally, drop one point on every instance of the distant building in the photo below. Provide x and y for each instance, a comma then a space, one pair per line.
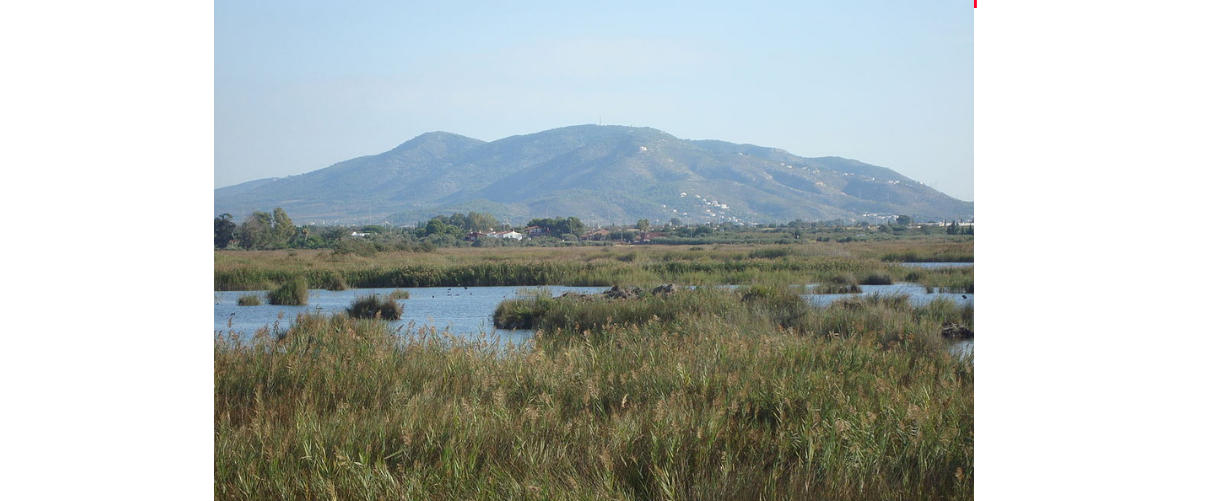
649, 236
513, 235
597, 235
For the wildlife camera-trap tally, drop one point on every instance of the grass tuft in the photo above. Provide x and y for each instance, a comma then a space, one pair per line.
375, 307
249, 300
293, 292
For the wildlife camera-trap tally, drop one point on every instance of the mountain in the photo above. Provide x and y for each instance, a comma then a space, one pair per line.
601, 174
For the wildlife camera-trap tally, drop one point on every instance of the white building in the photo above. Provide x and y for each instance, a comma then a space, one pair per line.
514, 235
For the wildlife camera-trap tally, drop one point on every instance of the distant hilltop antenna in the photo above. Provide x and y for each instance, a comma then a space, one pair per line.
600, 120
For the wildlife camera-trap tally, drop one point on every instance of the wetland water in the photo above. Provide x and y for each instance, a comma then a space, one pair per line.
469, 312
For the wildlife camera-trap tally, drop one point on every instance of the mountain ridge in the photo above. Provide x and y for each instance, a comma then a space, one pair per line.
601, 174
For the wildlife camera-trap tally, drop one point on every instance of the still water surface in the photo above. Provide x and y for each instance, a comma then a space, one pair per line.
469, 312
463, 311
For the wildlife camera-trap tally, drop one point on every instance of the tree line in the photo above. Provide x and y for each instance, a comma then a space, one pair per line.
275, 230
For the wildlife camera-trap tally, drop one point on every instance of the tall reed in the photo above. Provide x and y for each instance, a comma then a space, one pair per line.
703, 407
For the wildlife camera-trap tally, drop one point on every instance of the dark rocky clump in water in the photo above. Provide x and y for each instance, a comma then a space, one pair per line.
956, 331
664, 289
617, 292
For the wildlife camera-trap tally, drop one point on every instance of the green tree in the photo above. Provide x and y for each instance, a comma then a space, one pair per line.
573, 226
256, 231
283, 231
642, 225
334, 233
442, 225
560, 226
223, 230
262, 230
458, 220
481, 221
435, 227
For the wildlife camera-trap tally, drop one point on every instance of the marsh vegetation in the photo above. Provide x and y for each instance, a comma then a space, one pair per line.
743, 391
696, 407
854, 263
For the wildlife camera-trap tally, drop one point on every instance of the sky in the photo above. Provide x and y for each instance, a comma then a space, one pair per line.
301, 85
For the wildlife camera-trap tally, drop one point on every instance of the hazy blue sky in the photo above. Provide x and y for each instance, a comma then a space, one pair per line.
300, 85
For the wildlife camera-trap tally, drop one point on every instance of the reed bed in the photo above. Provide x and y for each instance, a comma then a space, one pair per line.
887, 318
706, 393
707, 405
919, 251
579, 266
952, 279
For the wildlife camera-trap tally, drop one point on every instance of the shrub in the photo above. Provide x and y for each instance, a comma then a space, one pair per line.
336, 282
838, 284
357, 246
375, 307
770, 253
249, 300
626, 258
876, 278
294, 292
399, 294
782, 305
